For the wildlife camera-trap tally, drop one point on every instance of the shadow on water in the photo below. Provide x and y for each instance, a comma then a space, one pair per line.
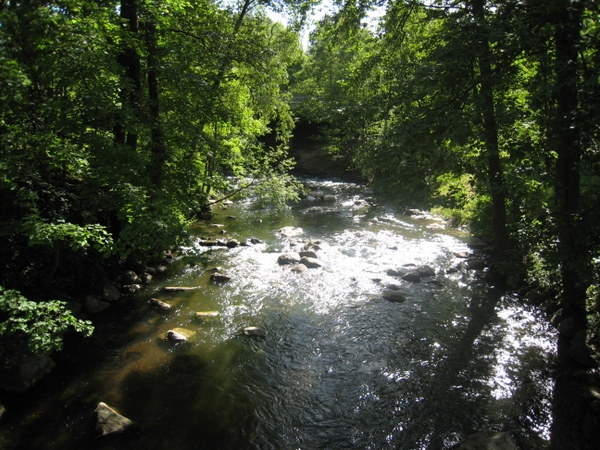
448, 402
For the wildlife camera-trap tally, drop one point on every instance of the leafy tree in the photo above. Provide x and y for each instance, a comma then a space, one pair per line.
42, 323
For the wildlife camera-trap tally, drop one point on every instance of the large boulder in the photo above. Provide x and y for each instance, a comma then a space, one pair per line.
109, 421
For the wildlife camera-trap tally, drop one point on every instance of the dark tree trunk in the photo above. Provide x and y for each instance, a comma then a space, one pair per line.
131, 91
569, 424
158, 148
490, 133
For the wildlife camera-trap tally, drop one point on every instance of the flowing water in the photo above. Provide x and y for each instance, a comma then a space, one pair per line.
340, 367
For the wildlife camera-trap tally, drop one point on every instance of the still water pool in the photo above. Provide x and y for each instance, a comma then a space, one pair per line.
340, 367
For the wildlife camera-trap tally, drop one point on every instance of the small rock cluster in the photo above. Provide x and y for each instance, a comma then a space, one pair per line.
412, 273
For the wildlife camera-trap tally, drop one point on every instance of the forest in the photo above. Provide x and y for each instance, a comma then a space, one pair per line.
123, 122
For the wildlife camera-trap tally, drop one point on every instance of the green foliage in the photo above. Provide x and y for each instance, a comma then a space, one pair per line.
44, 323
114, 136
151, 229
78, 238
458, 198
276, 192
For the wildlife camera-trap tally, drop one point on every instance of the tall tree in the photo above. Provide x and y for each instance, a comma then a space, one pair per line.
490, 130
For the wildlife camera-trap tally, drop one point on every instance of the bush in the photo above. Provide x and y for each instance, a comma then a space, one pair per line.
44, 323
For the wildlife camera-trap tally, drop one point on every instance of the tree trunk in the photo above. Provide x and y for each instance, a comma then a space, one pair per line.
131, 91
157, 142
568, 428
490, 133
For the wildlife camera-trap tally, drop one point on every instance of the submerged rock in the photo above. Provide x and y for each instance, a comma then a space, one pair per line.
110, 421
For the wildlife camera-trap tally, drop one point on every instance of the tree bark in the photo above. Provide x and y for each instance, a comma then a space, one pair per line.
490, 133
569, 406
157, 142
131, 90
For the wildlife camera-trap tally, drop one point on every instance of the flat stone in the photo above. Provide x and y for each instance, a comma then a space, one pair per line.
159, 304
110, 421
179, 288
204, 315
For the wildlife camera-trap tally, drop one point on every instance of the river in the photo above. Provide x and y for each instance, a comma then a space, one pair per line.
340, 367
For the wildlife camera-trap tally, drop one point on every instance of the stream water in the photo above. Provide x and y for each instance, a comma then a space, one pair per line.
340, 367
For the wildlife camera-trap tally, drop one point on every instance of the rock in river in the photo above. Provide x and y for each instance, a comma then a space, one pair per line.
110, 421
255, 331
179, 335
393, 295
311, 263
159, 304
206, 315
288, 258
